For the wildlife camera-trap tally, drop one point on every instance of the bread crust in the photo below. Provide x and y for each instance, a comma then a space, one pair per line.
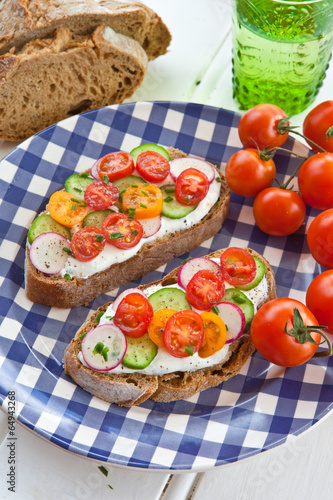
58, 292
22, 21
132, 389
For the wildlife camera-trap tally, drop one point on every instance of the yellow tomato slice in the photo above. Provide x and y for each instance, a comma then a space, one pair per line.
215, 334
157, 325
64, 209
144, 200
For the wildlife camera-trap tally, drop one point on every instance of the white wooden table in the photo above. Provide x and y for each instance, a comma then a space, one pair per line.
198, 69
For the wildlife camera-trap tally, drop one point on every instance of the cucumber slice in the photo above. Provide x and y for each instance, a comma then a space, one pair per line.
140, 352
149, 147
96, 218
77, 184
45, 224
173, 298
258, 277
237, 297
171, 207
124, 183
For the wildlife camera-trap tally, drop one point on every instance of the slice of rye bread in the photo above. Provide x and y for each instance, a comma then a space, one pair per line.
22, 21
53, 290
128, 389
51, 79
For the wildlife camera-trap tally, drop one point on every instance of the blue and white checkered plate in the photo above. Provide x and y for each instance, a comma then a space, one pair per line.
259, 408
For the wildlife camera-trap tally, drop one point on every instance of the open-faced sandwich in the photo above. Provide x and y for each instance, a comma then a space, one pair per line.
173, 338
129, 215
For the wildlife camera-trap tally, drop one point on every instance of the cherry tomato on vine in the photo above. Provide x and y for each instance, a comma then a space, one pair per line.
258, 127
271, 340
191, 186
152, 166
204, 289
315, 181
183, 333
318, 126
279, 212
115, 165
87, 243
247, 174
319, 299
238, 266
320, 238
133, 315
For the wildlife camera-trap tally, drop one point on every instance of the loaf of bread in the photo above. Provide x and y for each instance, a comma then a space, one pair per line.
56, 291
128, 389
63, 57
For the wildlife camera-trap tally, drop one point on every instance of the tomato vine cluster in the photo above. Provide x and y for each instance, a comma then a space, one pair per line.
279, 210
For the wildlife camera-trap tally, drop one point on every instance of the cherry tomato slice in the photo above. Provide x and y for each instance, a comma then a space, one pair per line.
204, 290
99, 195
183, 334
238, 266
87, 243
215, 334
133, 315
191, 186
115, 165
67, 209
122, 232
152, 166
145, 200
157, 325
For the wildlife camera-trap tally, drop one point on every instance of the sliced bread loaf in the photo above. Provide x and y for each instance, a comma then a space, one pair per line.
51, 79
22, 21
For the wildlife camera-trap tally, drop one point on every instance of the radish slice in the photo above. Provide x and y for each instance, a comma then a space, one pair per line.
188, 270
151, 226
47, 252
234, 319
103, 347
123, 295
178, 165
93, 171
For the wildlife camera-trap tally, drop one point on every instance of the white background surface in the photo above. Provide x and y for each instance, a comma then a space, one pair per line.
198, 69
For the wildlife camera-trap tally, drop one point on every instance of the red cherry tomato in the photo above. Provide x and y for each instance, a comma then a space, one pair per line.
320, 238
191, 186
204, 290
318, 124
87, 243
133, 315
152, 166
270, 339
122, 232
99, 195
238, 266
319, 299
247, 174
279, 212
183, 334
258, 127
315, 181
115, 165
